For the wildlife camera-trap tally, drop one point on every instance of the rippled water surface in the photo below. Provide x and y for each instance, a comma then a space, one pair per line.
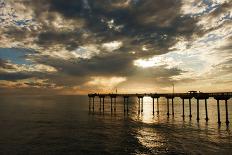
64, 125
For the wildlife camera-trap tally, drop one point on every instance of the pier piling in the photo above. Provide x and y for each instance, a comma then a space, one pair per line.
206, 111
168, 107
190, 108
172, 107
153, 108
198, 117
183, 108
126, 103
227, 116
114, 103
142, 105
93, 104
127, 107
103, 103
111, 104
157, 105
100, 103
218, 111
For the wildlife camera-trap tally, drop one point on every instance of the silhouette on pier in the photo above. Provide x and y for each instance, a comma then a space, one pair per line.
218, 96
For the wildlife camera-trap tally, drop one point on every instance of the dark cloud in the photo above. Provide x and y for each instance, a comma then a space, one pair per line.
159, 76
14, 76
51, 37
155, 24
71, 9
113, 64
5, 65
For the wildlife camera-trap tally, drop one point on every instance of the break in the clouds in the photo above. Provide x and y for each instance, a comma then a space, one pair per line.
81, 46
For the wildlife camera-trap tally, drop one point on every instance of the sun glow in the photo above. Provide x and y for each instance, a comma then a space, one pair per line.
153, 62
106, 81
147, 116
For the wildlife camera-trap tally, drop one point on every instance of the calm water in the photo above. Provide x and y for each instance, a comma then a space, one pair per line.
64, 125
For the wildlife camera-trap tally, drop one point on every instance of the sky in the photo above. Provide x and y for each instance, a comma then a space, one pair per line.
134, 46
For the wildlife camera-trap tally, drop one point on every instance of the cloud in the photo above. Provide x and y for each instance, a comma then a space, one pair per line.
105, 82
111, 46
78, 42
162, 60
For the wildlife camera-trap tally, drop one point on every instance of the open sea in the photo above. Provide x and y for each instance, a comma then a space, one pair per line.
64, 125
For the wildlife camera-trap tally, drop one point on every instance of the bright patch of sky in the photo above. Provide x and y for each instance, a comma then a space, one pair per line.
201, 7
86, 52
197, 57
111, 46
16, 56
105, 81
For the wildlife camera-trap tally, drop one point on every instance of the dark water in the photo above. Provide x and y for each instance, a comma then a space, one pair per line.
64, 125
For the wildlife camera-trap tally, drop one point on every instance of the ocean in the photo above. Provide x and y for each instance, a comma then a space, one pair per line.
65, 125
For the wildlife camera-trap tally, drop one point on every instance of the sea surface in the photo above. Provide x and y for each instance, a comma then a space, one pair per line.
65, 125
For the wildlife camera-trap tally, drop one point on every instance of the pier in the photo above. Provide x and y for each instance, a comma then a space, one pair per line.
218, 96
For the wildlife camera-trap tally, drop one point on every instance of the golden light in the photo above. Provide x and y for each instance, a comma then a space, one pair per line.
151, 62
147, 116
108, 82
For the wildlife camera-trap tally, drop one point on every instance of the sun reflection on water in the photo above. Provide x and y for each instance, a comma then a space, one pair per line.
146, 116
149, 137
152, 140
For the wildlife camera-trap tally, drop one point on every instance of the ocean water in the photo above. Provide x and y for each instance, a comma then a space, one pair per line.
65, 125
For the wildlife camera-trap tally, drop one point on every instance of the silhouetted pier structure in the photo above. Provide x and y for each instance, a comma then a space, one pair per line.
219, 96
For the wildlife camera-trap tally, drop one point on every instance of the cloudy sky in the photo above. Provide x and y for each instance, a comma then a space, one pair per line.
81, 46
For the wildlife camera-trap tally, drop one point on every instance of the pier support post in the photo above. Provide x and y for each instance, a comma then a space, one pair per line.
227, 116
172, 107
153, 108
127, 106
111, 104
190, 109
183, 108
142, 105
157, 105
168, 107
206, 111
93, 104
139, 104
198, 117
124, 104
103, 103
100, 104
115, 103
218, 111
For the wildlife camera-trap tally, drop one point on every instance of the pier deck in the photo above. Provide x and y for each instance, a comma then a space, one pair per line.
219, 95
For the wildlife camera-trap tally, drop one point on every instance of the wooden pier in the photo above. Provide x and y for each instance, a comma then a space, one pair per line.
218, 96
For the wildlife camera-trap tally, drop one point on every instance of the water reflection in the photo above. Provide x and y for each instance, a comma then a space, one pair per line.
152, 140
146, 116
64, 124
157, 132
